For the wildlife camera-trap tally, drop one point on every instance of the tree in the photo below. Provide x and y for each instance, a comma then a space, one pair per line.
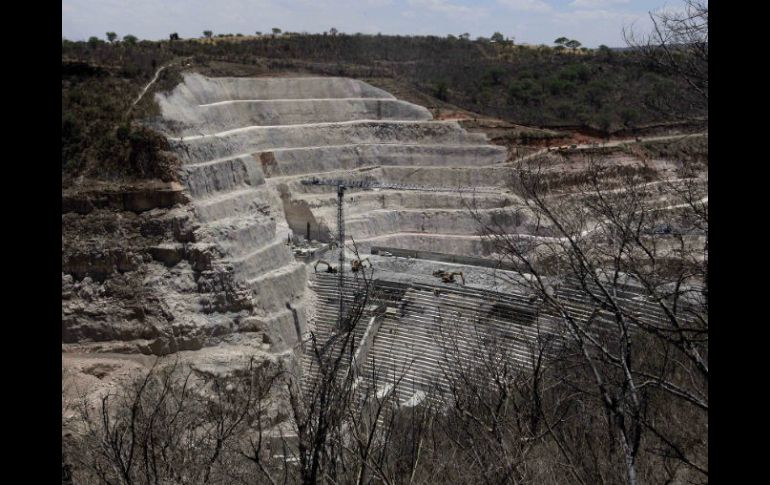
572, 44
174, 426
169, 427
258, 33
93, 41
333, 31
678, 45
628, 116
642, 369
276, 31
605, 53
173, 36
441, 91
497, 37
130, 39
207, 34
112, 36
561, 41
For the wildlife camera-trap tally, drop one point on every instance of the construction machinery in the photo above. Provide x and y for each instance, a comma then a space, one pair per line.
343, 185
357, 264
329, 267
447, 277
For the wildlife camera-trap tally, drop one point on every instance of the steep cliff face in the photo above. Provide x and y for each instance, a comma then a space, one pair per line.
239, 217
138, 278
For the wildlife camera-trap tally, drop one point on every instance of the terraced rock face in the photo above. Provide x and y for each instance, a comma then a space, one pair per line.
247, 143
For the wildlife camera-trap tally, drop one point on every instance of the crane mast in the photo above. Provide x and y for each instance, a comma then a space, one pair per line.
341, 245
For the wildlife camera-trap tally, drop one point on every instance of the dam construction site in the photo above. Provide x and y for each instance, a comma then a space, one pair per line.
295, 190
320, 229
335, 258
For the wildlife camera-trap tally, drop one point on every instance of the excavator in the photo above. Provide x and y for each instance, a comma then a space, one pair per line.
447, 277
329, 267
357, 264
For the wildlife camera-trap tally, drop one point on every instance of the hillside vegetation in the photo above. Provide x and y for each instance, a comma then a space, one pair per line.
603, 90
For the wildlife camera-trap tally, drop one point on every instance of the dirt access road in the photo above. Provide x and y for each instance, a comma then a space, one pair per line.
614, 143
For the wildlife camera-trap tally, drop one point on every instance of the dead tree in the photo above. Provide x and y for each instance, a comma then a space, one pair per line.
632, 302
175, 426
169, 426
341, 428
678, 45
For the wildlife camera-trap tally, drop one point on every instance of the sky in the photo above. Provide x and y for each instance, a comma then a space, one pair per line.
591, 22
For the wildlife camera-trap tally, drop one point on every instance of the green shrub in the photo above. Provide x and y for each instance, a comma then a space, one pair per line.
628, 116
522, 91
559, 86
440, 91
493, 77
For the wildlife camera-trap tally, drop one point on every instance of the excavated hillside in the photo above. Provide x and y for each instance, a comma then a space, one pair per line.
207, 273
253, 140
241, 139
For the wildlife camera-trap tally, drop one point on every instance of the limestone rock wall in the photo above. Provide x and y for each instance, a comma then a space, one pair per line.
247, 143
142, 282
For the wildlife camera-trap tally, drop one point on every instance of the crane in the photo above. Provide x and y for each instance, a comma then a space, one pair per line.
343, 185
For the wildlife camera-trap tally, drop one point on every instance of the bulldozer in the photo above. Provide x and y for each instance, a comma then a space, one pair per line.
329, 267
357, 264
447, 277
